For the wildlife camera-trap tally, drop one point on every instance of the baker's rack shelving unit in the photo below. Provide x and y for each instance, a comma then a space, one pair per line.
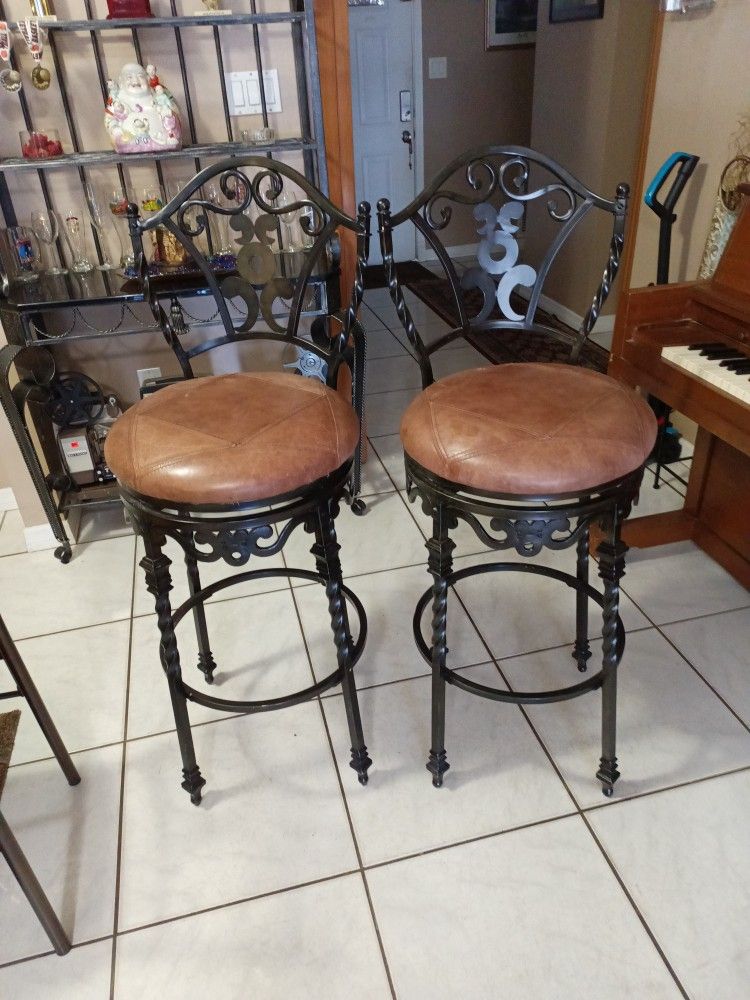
23, 318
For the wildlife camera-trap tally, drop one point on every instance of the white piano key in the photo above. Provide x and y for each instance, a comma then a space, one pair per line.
709, 370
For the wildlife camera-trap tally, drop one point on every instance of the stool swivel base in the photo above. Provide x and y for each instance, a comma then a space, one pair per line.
209, 534
527, 525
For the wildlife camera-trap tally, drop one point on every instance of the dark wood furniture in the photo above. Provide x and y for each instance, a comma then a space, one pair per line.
716, 515
9, 846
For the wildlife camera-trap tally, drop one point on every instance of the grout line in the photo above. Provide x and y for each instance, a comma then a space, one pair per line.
226, 717
705, 680
74, 628
238, 902
693, 618
634, 905
586, 822
345, 802
471, 840
401, 388
120, 823
667, 788
48, 954
660, 630
379, 864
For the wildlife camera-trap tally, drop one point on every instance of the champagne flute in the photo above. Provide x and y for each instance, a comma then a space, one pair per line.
45, 227
96, 214
290, 217
221, 231
76, 236
118, 206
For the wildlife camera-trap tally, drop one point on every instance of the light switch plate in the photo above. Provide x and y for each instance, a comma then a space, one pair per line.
437, 67
243, 92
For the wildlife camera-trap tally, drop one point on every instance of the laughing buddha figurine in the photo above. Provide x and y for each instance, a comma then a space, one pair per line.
141, 115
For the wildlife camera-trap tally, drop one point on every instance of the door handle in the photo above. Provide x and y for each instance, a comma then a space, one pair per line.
406, 137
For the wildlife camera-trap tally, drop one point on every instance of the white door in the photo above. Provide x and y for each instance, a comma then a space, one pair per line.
382, 68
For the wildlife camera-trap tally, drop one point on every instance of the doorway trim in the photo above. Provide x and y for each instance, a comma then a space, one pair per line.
418, 78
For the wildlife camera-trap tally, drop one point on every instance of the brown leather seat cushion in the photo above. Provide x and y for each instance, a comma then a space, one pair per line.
529, 429
229, 439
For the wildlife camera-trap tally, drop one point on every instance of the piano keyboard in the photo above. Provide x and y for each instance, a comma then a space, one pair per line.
715, 363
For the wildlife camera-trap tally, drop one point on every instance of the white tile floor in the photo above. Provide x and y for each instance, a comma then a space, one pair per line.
516, 880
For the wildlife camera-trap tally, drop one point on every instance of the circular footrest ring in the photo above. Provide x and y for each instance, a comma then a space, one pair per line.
284, 701
516, 697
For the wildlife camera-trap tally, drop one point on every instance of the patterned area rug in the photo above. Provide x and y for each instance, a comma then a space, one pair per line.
504, 346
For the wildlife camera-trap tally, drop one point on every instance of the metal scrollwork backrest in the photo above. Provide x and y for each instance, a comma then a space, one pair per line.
498, 183
248, 200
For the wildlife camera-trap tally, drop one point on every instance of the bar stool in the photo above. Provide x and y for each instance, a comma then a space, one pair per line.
530, 455
9, 846
230, 465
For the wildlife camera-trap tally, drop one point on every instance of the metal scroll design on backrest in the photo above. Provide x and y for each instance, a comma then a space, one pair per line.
255, 278
610, 272
498, 183
498, 276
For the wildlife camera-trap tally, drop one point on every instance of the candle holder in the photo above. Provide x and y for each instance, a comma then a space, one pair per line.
42, 144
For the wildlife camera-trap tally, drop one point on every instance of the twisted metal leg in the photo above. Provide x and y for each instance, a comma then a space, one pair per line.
156, 566
326, 552
24, 683
440, 562
611, 554
24, 874
206, 662
582, 649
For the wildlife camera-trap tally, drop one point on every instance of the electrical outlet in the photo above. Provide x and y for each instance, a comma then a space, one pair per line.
147, 373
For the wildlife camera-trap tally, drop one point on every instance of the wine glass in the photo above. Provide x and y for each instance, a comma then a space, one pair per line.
45, 227
118, 206
224, 247
76, 237
152, 199
97, 216
289, 217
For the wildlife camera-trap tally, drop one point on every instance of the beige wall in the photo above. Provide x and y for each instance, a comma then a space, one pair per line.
702, 90
486, 97
588, 96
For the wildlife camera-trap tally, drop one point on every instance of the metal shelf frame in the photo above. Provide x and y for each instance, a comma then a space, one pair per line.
105, 157
178, 21
20, 321
300, 17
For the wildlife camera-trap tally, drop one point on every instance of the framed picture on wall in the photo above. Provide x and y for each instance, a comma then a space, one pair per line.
510, 22
575, 10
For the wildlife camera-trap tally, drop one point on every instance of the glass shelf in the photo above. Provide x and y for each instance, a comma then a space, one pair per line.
209, 19
108, 156
66, 291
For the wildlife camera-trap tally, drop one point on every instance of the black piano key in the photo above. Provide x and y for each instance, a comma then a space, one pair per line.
705, 347
738, 367
717, 353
